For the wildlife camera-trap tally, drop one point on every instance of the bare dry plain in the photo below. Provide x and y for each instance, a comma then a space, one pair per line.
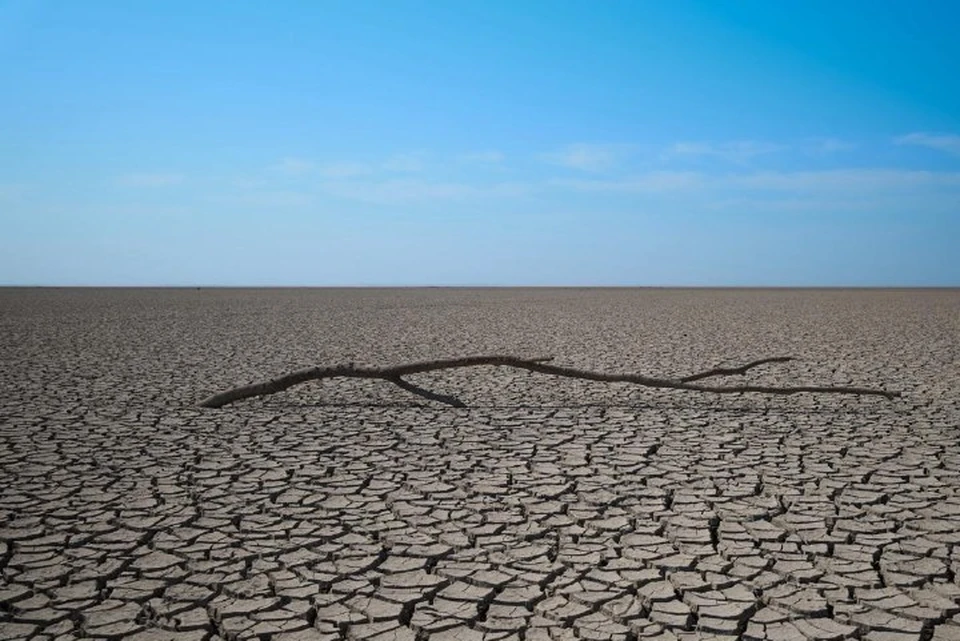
547, 509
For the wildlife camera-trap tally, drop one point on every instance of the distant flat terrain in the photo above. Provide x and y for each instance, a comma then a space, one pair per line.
546, 509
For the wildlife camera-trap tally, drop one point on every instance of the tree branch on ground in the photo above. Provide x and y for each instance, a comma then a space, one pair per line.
396, 374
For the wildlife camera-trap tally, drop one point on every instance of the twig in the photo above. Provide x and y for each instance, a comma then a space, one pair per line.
728, 371
395, 375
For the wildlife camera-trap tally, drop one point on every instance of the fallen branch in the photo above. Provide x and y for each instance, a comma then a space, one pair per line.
395, 375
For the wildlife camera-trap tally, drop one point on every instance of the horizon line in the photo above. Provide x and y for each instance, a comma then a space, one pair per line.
465, 286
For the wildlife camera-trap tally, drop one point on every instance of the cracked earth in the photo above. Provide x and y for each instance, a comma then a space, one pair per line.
548, 509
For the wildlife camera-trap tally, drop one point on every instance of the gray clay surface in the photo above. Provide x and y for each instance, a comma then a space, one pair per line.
547, 509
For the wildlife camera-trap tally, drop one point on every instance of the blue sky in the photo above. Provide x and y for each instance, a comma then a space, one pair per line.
485, 143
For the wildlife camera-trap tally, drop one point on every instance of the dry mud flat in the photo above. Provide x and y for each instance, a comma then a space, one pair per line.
548, 509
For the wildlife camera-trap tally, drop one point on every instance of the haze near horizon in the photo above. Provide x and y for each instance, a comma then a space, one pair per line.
496, 143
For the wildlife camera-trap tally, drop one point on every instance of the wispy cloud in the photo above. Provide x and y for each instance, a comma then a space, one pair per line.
824, 146
739, 151
593, 158
484, 157
790, 203
850, 181
395, 192
405, 163
949, 143
304, 167
150, 179
740, 182
655, 181
870, 180
343, 169
265, 198
295, 166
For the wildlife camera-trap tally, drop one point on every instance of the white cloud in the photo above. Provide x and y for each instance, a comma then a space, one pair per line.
343, 169
508, 190
398, 191
655, 181
295, 166
265, 198
593, 158
790, 203
833, 184
692, 148
948, 143
138, 209
738, 151
842, 180
823, 146
246, 182
150, 179
405, 163
304, 167
392, 192
485, 157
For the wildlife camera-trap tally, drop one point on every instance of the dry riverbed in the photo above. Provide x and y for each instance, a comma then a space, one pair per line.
546, 509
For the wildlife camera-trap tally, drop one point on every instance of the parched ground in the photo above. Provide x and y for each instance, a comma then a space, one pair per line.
548, 509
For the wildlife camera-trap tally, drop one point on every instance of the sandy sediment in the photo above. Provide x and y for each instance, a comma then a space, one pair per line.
546, 509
